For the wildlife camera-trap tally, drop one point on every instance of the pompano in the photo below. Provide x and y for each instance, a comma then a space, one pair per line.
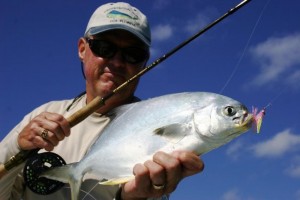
196, 121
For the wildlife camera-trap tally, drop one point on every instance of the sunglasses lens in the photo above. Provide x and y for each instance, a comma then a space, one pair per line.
104, 49
134, 55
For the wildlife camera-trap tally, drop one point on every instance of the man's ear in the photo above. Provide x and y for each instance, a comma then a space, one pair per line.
81, 48
81, 53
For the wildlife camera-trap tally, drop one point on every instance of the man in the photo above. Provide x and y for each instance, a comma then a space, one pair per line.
114, 48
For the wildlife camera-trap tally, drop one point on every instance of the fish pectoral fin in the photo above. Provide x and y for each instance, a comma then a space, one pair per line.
116, 181
173, 132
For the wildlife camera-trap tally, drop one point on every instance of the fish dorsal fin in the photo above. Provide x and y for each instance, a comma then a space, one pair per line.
173, 132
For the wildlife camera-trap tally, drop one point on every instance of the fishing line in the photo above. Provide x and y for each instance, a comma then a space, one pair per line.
275, 98
237, 66
87, 193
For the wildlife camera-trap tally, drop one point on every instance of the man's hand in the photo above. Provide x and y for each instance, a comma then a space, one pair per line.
161, 175
44, 132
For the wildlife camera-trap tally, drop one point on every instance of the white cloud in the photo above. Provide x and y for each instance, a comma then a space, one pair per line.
200, 20
294, 169
194, 25
235, 149
162, 32
279, 59
231, 195
280, 144
235, 194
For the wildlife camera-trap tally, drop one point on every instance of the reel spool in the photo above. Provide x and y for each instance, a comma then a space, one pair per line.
38, 164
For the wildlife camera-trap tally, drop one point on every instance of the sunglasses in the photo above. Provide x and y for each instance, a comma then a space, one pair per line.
105, 49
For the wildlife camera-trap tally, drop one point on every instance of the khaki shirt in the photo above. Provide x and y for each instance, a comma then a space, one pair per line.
71, 149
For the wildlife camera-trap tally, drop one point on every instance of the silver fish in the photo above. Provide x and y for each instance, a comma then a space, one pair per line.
196, 121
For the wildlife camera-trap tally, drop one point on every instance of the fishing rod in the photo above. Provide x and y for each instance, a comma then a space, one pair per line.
98, 102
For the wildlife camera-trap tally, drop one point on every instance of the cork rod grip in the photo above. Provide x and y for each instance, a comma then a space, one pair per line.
84, 112
3, 171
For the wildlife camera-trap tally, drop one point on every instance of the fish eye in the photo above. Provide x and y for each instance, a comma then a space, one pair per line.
229, 111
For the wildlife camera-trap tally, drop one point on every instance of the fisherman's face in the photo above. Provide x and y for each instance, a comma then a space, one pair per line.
108, 63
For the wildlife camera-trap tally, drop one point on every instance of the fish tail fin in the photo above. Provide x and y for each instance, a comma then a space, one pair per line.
66, 174
75, 188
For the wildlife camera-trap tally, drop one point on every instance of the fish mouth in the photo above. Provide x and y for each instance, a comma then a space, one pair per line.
243, 123
245, 120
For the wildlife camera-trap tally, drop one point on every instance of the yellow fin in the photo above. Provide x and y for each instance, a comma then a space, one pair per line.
116, 181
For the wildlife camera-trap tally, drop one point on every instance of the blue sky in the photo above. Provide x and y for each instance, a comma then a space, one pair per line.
253, 56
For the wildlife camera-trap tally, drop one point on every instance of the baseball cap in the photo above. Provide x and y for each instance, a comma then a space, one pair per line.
122, 16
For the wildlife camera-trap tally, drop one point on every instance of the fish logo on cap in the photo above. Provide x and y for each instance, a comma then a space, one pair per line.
118, 14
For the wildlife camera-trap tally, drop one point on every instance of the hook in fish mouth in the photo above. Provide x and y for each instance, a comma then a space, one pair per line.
247, 120
244, 120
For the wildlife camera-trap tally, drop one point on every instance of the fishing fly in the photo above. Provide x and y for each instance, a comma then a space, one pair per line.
257, 118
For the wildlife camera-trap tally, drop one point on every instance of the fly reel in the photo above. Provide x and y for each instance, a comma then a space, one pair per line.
38, 164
